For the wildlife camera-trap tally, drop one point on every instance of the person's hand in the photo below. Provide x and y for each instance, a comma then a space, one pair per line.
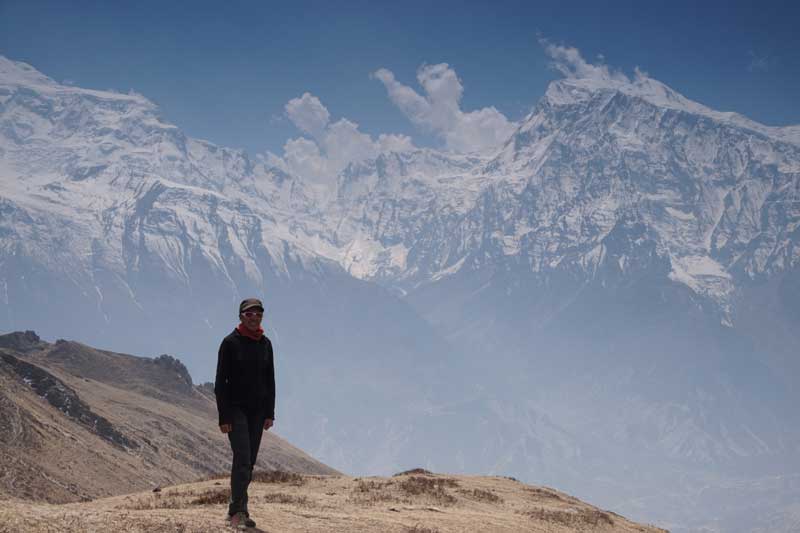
268, 423
226, 428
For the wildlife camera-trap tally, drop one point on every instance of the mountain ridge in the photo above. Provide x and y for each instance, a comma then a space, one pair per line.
661, 95
613, 291
361, 249
81, 423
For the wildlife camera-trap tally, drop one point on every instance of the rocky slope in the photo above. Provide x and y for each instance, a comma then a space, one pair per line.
79, 423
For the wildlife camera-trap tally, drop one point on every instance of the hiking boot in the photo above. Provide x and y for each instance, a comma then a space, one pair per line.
249, 522
238, 521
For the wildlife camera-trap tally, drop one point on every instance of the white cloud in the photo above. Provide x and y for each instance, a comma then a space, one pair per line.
569, 62
413, 105
343, 143
395, 143
273, 160
333, 145
440, 111
303, 158
308, 114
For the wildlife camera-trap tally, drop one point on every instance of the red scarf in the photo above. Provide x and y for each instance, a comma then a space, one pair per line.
255, 335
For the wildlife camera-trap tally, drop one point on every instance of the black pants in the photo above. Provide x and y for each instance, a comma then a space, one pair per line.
245, 438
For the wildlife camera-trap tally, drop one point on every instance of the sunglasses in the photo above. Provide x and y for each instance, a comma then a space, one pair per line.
251, 314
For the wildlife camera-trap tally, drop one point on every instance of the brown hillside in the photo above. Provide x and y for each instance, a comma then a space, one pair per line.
78, 423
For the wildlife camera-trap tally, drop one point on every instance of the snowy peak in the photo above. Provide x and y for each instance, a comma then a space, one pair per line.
581, 91
16, 75
105, 185
716, 191
574, 90
19, 73
55, 133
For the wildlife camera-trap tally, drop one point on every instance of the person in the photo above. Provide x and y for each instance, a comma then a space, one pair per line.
245, 392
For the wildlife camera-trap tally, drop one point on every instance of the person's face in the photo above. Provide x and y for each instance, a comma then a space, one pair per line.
252, 318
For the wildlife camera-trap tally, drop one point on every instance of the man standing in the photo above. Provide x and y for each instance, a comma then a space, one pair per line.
245, 391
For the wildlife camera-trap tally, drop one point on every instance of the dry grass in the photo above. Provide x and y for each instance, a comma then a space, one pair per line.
212, 497
369, 485
278, 476
573, 517
331, 504
428, 486
414, 471
545, 494
369, 492
178, 500
288, 499
483, 496
158, 500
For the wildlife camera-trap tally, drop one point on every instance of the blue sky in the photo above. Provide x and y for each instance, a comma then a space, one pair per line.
224, 71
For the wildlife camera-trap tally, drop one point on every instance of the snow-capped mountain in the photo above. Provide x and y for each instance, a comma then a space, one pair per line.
608, 303
716, 193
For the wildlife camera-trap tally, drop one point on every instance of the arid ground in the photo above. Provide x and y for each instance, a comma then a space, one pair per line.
417, 501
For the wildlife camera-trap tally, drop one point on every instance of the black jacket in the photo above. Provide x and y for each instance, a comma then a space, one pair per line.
245, 376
